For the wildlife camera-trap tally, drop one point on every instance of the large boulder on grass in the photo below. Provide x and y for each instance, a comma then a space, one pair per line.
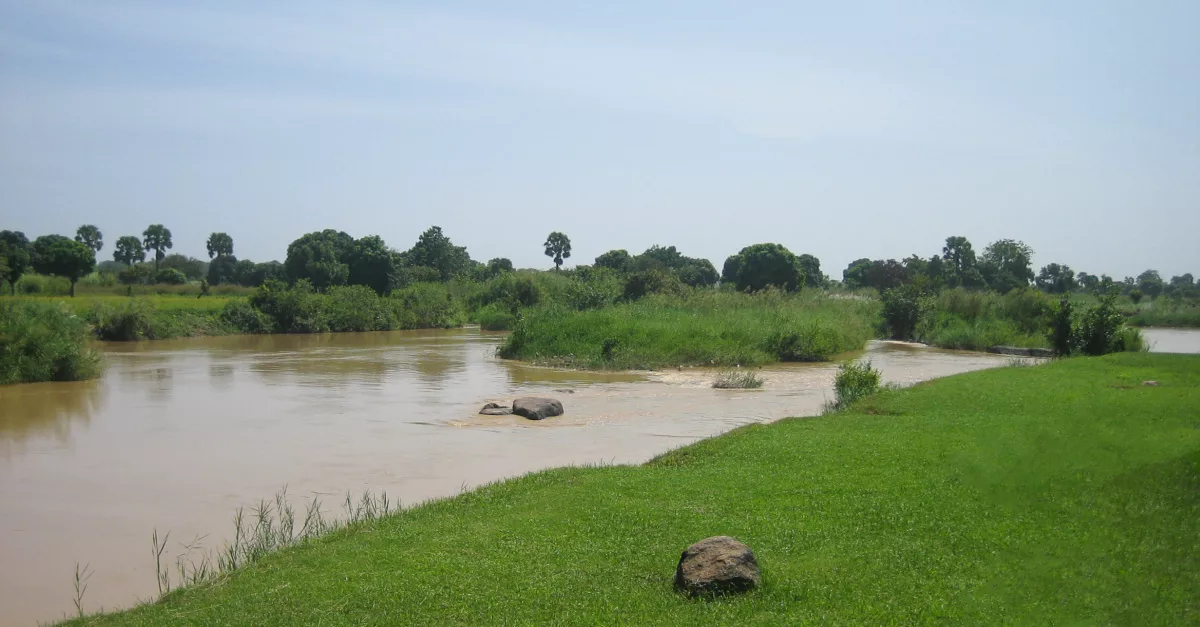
536, 408
717, 565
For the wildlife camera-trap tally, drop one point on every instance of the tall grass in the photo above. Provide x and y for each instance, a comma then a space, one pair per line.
1167, 312
972, 320
706, 327
737, 379
44, 342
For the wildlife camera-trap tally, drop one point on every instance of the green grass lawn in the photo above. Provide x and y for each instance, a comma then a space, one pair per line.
1065, 493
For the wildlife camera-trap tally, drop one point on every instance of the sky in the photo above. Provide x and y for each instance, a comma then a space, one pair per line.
839, 129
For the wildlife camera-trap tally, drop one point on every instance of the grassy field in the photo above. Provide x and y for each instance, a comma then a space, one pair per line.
1167, 313
704, 328
1064, 493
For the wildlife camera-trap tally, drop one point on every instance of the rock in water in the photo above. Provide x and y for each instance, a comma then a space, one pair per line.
495, 409
535, 408
717, 565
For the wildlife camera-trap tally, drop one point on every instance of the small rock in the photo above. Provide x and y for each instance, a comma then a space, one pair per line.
535, 408
495, 409
565, 391
1152, 384
717, 565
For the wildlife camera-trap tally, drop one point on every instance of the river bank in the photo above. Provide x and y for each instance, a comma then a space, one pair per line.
988, 497
180, 433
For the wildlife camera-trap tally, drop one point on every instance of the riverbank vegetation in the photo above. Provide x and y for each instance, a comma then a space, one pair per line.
655, 309
1060, 493
44, 342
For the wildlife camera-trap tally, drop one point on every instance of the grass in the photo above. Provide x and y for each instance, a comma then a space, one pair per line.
969, 320
44, 342
704, 328
1056, 494
737, 380
1165, 312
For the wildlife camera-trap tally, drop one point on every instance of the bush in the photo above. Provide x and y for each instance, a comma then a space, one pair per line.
242, 317
140, 274
902, 309
44, 342
641, 284
295, 309
855, 380
1060, 327
426, 306
128, 321
357, 308
494, 318
1100, 330
737, 380
170, 276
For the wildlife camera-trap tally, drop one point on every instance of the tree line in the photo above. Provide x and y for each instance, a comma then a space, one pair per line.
331, 258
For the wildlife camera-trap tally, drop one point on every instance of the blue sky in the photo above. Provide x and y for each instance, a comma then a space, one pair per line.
844, 130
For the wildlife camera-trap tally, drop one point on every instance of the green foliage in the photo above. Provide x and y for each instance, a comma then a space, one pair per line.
321, 258
140, 274
813, 277
434, 250
765, 265
1056, 279
1061, 327
706, 327
1005, 265
59, 256
15, 249
242, 317
494, 317
498, 266
170, 276
357, 308
90, 236
737, 379
656, 281
219, 245
1099, 330
1150, 283
291, 309
614, 260
855, 274
855, 380
129, 250
157, 237
902, 310
1135, 295
44, 342
960, 266
1165, 313
426, 306
885, 274
223, 269
971, 320
130, 320
192, 268
558, 247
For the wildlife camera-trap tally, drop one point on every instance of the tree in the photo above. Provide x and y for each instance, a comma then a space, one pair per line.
498, 266
1056, 279
222, 270
373, 264
220, 245
90, 236
884, 275
812, 270
763, 265
129, 250
57, 255
1089, 282
16, 249
194, 269
558, 247
1182, 286
434, 250
157, 237
1006, 265
18, 256
855, 274
614, 259
322, 257
1150, 283
960, 265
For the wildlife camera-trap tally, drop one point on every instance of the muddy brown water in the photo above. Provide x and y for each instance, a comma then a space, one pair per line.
178, 434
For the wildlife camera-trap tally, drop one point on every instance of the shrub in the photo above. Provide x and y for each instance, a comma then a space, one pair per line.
44, 342
1060, 327
139, 274
241, 316
426, 306
902, 308
170, 276
494, 317
357, 308
1099, 330
855, 380
295, 309
127, 321
737, 380
642, 284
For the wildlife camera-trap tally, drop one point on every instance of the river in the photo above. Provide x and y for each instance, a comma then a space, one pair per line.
178, 434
